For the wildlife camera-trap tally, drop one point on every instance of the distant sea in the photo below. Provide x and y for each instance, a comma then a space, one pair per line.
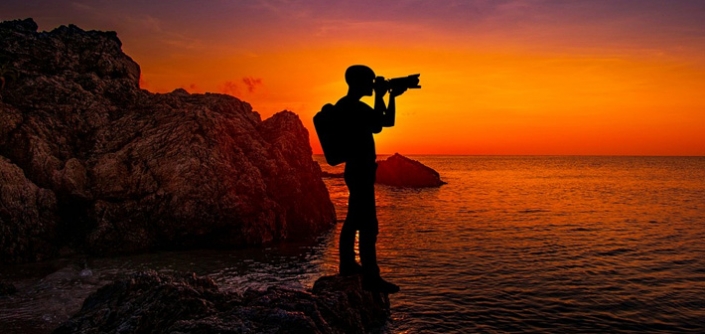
547, 244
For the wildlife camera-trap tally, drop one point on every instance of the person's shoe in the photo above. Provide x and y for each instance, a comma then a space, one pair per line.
379, 285
350, 269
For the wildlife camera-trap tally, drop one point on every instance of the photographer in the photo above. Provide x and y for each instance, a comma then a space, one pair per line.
361, 123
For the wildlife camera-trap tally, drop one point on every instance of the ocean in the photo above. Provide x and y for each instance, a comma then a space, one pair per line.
512, 244
545, 244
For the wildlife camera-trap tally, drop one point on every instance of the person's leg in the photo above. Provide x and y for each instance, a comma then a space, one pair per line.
369, 229
368, 247
346, 248
346, 244
360, 179
371, 279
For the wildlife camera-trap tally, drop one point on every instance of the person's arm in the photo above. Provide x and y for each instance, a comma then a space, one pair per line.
389, 115
380, 110
385, 115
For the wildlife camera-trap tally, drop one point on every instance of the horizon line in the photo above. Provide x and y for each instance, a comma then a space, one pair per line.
542, 155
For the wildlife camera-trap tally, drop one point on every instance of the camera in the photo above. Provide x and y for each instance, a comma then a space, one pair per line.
410, 82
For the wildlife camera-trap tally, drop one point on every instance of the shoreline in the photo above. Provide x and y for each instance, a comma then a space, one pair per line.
50, 291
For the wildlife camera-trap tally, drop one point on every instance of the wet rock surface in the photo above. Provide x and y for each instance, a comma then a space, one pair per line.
148, 302
400, 171
91, 162
332, 175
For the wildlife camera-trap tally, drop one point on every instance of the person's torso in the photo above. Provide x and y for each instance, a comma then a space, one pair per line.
360, 120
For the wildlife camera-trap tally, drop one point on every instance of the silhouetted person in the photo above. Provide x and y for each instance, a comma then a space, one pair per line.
360, 168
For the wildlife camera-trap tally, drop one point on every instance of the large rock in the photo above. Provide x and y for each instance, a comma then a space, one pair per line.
27, 217
149, 302
113, 168
400, 171
7, 289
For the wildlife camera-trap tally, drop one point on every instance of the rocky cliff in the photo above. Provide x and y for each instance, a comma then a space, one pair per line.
91, 162
149, 302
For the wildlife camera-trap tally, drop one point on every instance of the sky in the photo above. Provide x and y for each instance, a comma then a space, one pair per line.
535, 77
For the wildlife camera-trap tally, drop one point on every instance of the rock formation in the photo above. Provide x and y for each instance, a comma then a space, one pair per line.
89, 161
400, 171
149, 302
7, 289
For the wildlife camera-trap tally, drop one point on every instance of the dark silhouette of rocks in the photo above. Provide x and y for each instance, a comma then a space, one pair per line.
7, 289
400, 171
149, 302
91, 162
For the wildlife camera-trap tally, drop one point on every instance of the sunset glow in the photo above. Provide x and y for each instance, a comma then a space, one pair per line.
498, 77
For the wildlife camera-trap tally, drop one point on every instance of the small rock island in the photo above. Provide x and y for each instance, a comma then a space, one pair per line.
400, 171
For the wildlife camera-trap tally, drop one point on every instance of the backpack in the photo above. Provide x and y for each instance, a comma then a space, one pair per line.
332, 133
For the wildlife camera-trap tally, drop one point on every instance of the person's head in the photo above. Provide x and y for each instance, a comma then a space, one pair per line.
360, 80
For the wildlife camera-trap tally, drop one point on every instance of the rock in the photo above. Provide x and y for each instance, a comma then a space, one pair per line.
27, 217
117, 169
400, 171
7, 289
370, 310
148, 302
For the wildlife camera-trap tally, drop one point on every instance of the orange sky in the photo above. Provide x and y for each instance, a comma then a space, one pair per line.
498, 77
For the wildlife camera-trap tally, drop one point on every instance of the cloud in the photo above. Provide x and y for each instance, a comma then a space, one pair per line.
229, 88
82, 6
252, 83
150, 23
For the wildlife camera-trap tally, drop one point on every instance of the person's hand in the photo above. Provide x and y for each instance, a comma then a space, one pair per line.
381, 86
397, 91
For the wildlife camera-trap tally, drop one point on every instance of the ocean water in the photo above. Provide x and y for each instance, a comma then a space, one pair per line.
546, 244
510, 244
